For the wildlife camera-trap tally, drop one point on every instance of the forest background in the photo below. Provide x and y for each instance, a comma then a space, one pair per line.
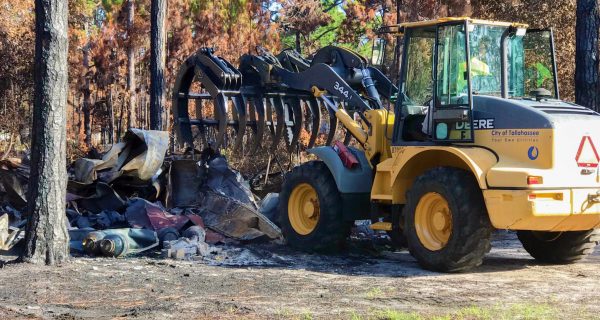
109, 49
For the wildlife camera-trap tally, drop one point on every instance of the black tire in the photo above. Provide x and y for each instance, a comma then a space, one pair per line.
559, 247
331, 231
471, 228
397, 236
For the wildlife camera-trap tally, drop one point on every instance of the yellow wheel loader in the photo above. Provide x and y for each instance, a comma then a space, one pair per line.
477, 139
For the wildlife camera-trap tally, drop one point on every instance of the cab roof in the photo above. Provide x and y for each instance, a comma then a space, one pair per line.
400, 27
453, 19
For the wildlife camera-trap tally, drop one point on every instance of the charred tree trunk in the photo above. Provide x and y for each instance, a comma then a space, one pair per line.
87, 102
587, 54
131, 65
298, 47
47, 239
111, 115
121, 114
157, 63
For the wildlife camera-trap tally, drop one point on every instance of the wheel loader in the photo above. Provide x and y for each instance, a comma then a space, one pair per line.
472, 136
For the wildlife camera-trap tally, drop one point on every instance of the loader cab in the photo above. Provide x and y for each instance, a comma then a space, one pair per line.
446, 63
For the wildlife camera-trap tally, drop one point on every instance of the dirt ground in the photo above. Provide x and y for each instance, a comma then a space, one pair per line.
268, 281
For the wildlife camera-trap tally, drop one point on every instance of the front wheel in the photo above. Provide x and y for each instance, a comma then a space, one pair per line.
310, 211
446, 222
559, 247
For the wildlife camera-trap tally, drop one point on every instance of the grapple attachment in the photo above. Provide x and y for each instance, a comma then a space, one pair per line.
274, 96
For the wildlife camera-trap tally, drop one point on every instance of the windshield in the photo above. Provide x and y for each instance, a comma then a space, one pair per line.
530, 62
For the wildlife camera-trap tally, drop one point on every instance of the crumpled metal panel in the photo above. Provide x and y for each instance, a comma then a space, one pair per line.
143, 214
235, 219
140, 155
9, 236
186, 178
14, 177
144, 153
105, 198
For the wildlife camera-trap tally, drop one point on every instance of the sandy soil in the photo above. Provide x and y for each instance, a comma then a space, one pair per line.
268, 281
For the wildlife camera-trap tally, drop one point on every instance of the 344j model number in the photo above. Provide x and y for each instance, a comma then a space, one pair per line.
341, 90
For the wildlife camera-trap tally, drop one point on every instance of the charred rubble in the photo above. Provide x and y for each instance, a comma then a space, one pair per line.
133, 199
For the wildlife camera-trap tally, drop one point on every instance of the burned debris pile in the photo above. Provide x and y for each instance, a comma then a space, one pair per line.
133, 199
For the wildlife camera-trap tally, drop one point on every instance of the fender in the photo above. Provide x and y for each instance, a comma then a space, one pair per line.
408, 163
356, 180
354, 184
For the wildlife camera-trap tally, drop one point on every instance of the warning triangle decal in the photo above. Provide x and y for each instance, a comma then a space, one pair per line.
587, 156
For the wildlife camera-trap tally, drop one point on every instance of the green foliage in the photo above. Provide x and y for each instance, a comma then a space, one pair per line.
109, 5
336, 32
322, 36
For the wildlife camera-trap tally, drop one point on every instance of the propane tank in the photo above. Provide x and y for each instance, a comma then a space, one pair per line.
91, 241
113, 245
119, 242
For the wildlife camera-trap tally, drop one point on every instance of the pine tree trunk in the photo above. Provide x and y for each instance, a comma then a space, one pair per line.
131, 65
298, 47
587, 54
47, 239
157, 63
121, 116
111, 115
87, 102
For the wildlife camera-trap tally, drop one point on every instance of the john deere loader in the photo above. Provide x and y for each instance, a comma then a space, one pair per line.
471, 137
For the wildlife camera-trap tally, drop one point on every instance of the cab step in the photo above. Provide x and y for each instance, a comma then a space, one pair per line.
383, 226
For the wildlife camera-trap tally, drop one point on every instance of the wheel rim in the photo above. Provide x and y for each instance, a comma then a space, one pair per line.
303, 209
433, 221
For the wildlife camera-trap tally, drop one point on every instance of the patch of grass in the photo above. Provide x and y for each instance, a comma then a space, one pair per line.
374, 293
355, 316
284, 313
397, 315
522, 311
474, 312
387, 314
306, 316
532, 311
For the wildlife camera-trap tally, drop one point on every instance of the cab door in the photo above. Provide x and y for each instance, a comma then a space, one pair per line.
451, 111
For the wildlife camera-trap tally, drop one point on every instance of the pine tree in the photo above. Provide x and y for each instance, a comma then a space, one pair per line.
47, 240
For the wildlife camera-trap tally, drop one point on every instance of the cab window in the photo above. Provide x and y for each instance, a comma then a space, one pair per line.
452, 79
417, 86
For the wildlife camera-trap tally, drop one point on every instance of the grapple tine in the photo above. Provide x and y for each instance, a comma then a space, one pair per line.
277, 104
241, 117
221, 115
259, 117
270, 122
201, 129
315, 113
293, 121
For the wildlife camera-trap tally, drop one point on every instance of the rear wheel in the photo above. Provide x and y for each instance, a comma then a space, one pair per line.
310, 209
446, 222
559, 247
